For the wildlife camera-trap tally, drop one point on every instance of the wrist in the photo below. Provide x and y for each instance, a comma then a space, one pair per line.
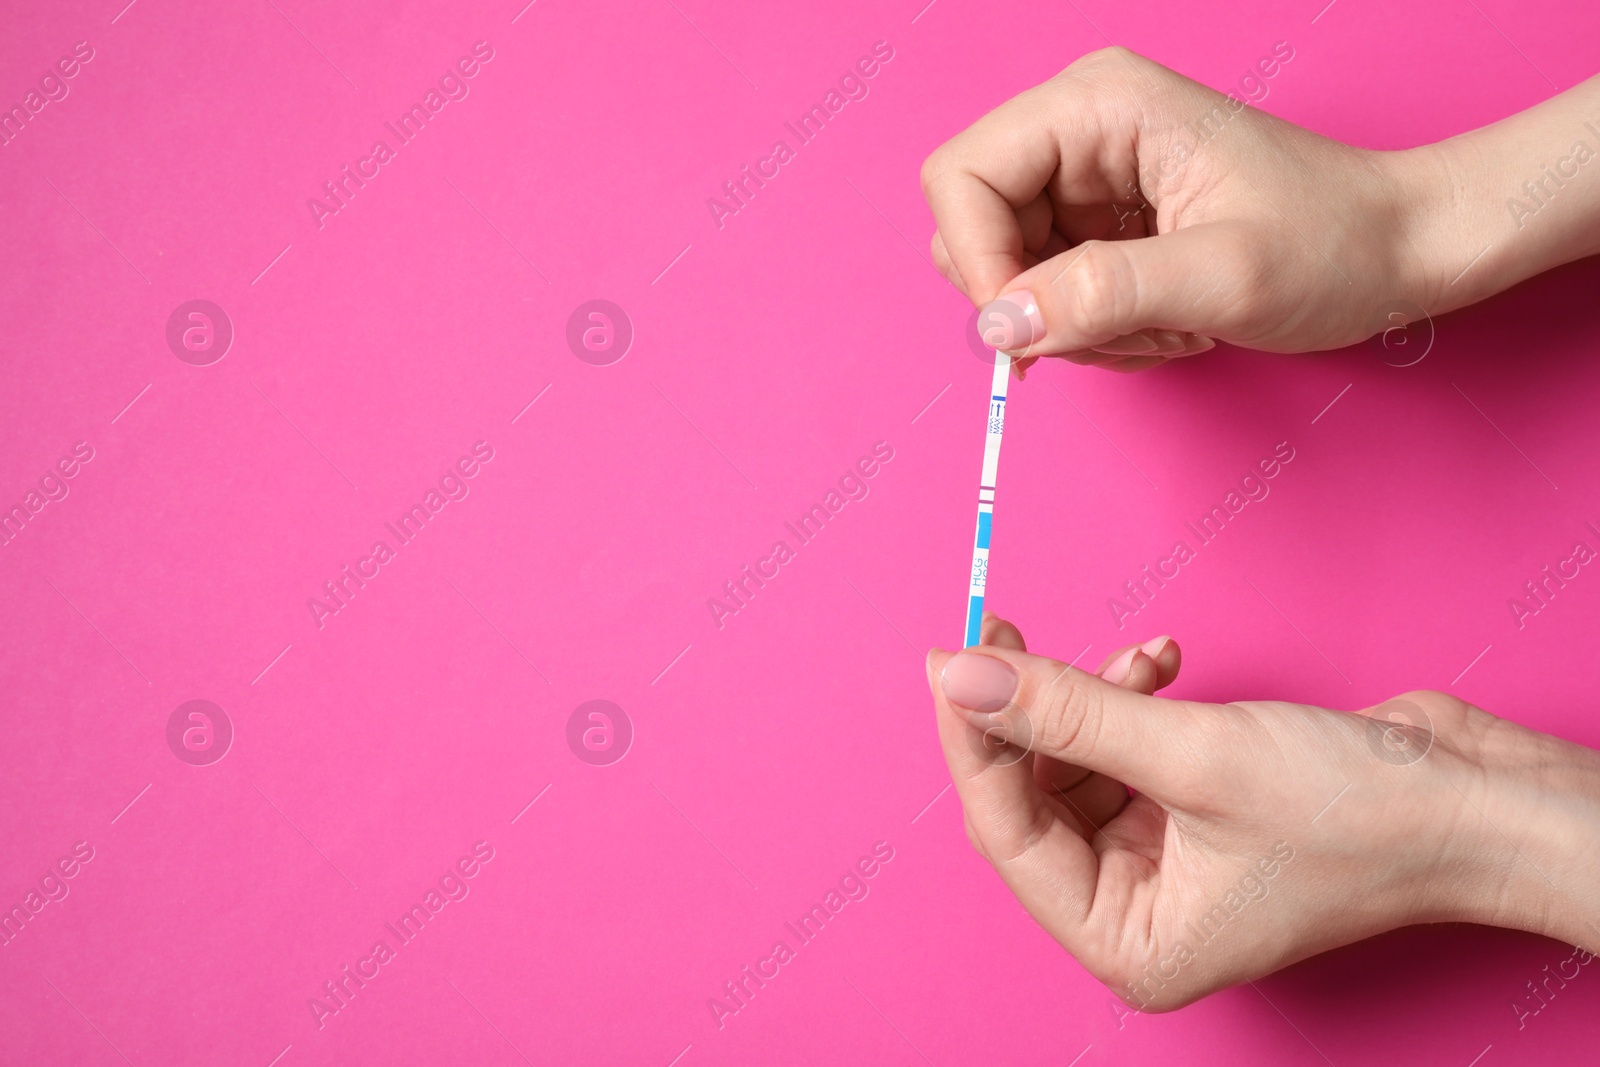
1539, 820
1448, 249
1485, 210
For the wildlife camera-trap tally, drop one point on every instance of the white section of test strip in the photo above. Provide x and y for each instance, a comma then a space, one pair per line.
991, 466
997, 418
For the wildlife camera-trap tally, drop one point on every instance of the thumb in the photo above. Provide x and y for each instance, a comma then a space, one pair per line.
1150, 743
1195, 280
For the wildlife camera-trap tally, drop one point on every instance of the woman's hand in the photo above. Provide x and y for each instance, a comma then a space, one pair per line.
1123, 215
1259, 832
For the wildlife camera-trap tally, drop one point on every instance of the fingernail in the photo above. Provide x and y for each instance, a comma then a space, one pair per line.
1155, 646
1202, 344
1169, 340
981, 683
1117, 673
1135, 344
1011, 321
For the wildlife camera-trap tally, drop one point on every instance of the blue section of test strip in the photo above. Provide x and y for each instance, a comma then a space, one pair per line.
974, 621
979, 577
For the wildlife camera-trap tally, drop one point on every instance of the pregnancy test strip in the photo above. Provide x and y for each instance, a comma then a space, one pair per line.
991, 465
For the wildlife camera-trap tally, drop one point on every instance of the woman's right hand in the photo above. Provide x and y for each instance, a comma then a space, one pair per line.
1258, 832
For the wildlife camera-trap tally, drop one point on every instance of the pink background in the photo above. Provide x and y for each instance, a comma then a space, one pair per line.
769, 354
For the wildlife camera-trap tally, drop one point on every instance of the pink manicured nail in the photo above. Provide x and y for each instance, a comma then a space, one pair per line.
981, 683
1117, 673
1011, 322
1154, 647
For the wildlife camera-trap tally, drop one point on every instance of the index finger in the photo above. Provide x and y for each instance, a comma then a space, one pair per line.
1051, 136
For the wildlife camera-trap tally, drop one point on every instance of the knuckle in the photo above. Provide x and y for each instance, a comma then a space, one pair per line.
933, 168
1098, 290
1252, 301
1103, 57
1449, 717
1069, 714
1431, 698
1248, 303
1150, 998
1111, 67
1020, 839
